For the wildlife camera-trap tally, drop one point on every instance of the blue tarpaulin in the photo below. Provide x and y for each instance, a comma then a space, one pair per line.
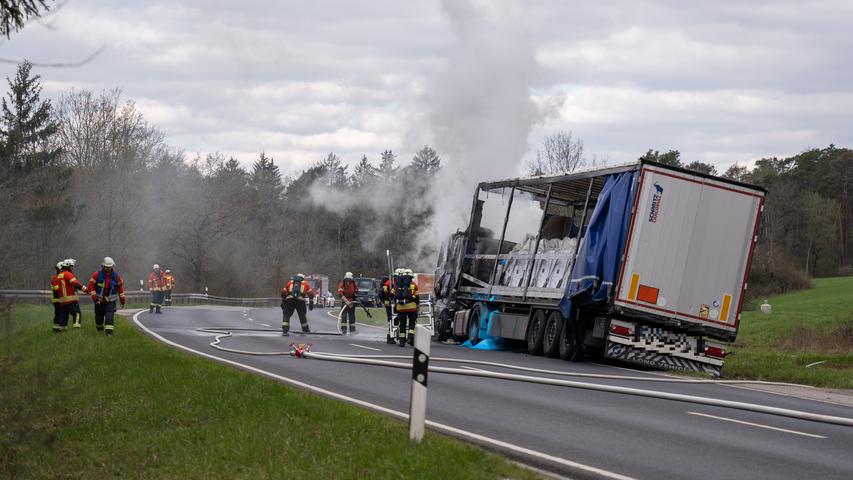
597, 265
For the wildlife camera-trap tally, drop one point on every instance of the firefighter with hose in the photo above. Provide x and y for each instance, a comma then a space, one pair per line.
293, 297
405, 292
348, 291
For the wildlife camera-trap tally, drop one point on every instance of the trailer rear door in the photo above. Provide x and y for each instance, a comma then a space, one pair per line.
689, 246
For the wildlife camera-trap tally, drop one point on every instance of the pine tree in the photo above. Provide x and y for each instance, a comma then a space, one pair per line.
27, 124
387, 170
426, 161
364, 173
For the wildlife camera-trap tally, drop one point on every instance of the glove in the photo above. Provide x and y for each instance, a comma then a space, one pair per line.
94, 297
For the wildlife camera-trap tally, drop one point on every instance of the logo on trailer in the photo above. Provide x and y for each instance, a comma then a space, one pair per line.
656, 199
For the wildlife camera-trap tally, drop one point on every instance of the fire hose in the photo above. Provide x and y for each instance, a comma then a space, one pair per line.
304, 351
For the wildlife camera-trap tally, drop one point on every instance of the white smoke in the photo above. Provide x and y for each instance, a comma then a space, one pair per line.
482, 111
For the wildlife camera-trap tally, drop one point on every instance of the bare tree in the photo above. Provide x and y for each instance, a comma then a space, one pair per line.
560, 153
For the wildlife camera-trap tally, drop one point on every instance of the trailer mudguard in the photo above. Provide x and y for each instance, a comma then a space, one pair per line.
596, 267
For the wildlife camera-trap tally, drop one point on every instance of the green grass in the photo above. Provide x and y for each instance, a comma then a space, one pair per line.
82, 405
805, 327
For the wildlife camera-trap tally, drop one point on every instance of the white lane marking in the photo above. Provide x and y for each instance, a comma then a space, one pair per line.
438, 426
756, 425
264, 324
368, 348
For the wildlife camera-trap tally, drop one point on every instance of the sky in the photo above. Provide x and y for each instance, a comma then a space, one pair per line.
483, 82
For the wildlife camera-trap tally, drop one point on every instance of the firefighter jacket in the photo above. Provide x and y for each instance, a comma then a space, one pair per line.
106, 288
386, 293
168, 281
156, 282
303, 290
68, 286
410, 304
348, 289
54, 287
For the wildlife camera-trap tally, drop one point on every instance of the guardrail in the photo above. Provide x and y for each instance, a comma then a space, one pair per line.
44, 297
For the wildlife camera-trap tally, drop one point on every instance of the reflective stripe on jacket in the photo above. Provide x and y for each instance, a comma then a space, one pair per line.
156, 281
411, 306
305, 292
68, 285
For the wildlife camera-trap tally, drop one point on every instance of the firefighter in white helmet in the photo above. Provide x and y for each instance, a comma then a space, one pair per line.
106, 287
157, 287
348, 290
406, 302
293, 299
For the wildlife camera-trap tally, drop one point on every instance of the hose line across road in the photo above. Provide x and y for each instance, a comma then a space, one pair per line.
610, 425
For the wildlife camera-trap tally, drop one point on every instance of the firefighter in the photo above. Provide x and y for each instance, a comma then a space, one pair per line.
105, 287
69, 303
156, 285
348, 290
293, 297
169, 281
54, 287
388, 303
405, 292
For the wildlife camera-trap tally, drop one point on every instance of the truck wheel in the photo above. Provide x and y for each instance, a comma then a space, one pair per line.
474, 324
534, 333
569, 350
551, 336
442, 327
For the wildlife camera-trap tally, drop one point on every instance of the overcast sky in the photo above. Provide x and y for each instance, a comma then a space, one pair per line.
722, 82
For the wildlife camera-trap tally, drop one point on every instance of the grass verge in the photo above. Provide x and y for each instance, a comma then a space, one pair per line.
82, 405
806, 327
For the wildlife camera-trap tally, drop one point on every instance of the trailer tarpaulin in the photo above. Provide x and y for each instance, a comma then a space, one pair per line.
597, 265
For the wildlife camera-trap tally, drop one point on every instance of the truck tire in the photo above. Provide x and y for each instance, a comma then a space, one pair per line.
442, 327
568, 345
551, 334
474, 324
534, 333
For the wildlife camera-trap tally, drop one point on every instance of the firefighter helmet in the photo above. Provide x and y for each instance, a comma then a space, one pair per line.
348, 275
108, 262
398, 271
408, 272
155, 267
59, 265
70, 262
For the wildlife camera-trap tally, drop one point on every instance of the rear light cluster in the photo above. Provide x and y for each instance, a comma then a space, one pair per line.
621, 329
714, 351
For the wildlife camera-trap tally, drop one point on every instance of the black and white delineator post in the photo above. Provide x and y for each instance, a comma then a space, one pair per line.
420, 366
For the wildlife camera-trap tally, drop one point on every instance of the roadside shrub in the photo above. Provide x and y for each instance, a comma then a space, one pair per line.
774, 272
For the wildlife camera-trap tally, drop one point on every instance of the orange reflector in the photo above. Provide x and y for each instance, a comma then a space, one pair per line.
632, 292
648, 294
724, 311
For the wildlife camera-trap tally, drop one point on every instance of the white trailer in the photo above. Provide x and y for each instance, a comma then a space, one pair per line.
644, 263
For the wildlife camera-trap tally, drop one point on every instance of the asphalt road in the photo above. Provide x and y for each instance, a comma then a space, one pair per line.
579, 433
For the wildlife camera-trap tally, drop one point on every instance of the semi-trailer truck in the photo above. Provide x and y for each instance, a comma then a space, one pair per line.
644, 263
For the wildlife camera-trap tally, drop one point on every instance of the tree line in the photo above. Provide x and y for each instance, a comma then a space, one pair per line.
88, 177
